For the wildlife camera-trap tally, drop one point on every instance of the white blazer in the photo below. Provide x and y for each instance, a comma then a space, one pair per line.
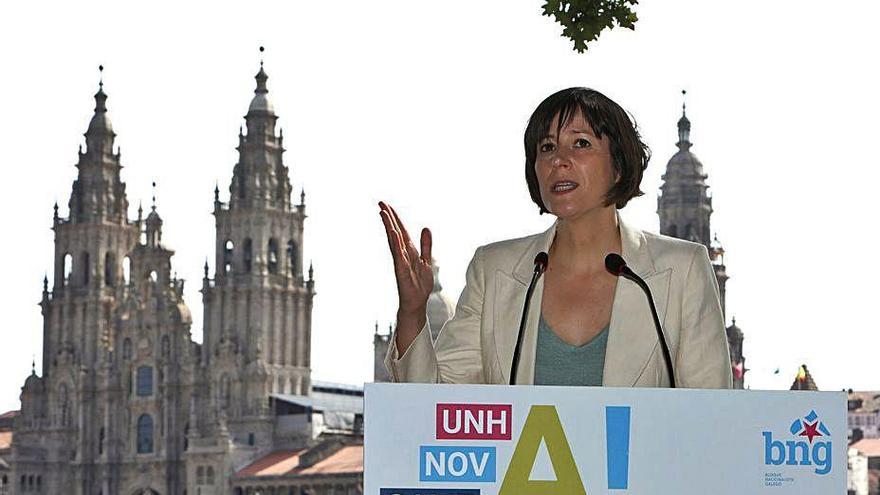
476, 345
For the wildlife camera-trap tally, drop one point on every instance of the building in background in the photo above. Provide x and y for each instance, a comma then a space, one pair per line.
857, 481
863, 415
7, 420
685, 208
126, 402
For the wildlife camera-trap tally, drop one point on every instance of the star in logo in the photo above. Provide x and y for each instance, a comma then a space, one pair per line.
810, 431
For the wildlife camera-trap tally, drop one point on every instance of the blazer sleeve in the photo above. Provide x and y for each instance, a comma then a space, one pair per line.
456, 356
703, 358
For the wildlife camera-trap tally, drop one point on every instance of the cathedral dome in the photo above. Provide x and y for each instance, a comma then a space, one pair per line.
734, 332
684, 163
100, 122
33, 382
260, 102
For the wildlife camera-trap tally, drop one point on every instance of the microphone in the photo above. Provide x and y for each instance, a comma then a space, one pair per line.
616, 265
540, 266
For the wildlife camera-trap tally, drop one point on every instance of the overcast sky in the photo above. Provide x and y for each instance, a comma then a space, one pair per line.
423, 105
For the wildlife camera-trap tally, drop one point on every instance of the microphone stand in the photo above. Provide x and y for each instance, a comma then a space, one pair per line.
540, 266
615, 264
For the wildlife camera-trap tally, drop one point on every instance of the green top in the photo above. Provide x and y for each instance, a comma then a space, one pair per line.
560, 363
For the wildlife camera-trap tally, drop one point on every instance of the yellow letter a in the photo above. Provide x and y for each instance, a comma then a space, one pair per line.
542, 422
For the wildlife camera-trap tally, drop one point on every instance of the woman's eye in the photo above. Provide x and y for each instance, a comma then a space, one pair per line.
546, 147
582, 143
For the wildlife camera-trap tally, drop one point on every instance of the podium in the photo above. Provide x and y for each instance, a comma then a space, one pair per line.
425, 439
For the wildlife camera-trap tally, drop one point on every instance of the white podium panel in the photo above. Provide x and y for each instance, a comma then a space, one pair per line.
525, 440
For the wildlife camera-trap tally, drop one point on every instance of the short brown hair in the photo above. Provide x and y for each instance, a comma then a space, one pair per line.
629, 155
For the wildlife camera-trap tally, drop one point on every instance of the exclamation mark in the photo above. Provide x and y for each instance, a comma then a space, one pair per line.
617, 446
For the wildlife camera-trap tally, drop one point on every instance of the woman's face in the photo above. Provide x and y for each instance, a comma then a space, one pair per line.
574, 169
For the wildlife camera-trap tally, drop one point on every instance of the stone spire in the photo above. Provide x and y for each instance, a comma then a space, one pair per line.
260, 179
99, 136
154, 224
684, 205
98, 194
684, 127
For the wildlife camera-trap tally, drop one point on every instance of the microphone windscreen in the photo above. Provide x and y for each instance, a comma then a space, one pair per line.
615, 264
541, 261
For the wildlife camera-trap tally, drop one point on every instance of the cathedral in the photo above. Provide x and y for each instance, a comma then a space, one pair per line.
126, 402
684, 207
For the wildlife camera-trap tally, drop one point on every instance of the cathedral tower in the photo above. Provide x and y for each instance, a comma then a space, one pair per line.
685, 208
258, 306
115, 339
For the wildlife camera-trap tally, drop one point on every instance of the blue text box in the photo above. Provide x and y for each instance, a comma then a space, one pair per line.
456, 464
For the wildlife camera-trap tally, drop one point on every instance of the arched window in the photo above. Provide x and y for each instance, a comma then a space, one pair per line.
272, 256
153, 276
67, 267
248, 254
291, 257
200, 475
145, 434
126, 349
109, 269
166, 346
144, 381
86, 268
228, 252
126, 269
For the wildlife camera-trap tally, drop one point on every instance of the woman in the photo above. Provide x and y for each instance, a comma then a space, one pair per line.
585, 326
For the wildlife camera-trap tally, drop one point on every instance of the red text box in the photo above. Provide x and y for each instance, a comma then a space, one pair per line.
473, 421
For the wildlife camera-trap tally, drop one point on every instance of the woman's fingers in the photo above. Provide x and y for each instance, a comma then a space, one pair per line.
407, 242
393, 240
426, 241
407, 260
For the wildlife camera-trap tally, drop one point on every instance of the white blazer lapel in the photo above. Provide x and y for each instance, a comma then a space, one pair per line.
510, 296
632, 339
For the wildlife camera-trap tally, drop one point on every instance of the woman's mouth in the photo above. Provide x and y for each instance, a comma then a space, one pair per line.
564, 186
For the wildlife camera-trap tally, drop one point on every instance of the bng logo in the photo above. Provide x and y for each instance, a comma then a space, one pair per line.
811, 445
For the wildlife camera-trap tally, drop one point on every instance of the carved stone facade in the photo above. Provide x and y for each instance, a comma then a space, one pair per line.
126, 402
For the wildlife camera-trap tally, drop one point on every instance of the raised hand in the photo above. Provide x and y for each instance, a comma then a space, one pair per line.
414, 275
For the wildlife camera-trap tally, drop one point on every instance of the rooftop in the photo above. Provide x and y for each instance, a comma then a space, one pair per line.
348, 459
867, 402
870, 447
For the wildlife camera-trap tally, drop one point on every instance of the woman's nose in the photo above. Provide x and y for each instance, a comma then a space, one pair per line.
561, 159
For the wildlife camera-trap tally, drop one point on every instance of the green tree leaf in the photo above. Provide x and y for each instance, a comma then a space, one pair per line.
583, 20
